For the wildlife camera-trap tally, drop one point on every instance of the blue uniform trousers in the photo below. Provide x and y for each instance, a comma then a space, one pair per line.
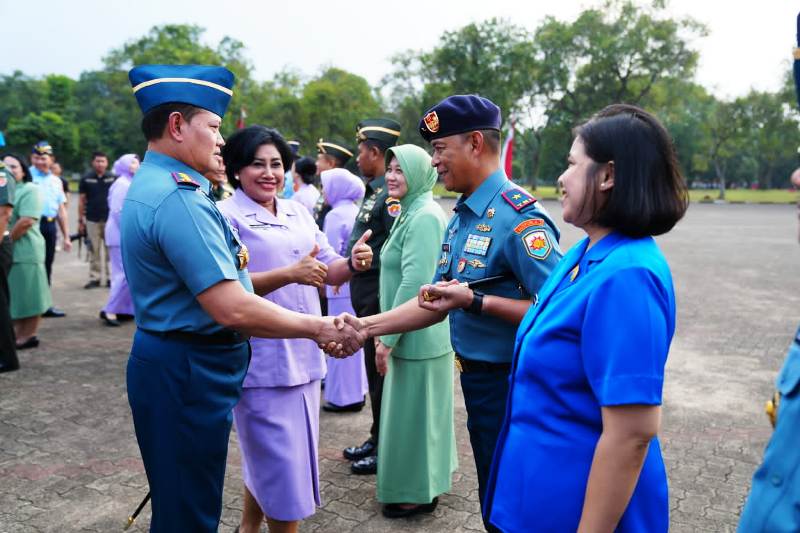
774, 502
485, 395
181, 395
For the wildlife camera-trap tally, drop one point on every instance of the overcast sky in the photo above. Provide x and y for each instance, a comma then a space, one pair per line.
749, 45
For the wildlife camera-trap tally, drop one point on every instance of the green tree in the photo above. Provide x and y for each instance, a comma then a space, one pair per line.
62, 134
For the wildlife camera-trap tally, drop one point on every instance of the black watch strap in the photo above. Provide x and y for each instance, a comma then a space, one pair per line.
476, 307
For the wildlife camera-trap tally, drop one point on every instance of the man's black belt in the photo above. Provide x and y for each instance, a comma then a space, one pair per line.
225, 336
471, 365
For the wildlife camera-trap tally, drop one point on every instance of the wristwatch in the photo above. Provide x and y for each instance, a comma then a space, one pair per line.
476, 307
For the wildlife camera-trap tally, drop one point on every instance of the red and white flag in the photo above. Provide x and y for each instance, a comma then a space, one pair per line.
507, 155
242, 116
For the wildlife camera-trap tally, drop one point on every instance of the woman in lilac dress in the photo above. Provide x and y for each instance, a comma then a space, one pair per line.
346, 382
119, 297
277, 417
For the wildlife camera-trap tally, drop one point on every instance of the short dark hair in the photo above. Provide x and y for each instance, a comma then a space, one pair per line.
375, 143
649, 195
26, 173
240, 149
98, 153
155, 121
306, 168
491, 138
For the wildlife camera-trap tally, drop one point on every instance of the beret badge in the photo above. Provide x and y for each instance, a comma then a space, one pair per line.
432, 122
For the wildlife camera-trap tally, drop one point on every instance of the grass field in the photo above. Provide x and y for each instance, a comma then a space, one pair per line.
772, 196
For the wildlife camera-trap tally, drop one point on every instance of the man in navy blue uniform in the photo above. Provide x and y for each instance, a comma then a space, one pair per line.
193, 296
500, 239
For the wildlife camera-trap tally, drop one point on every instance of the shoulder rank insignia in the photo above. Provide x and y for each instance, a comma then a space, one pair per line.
485, 228
537, 244
490, 212
477, 244
530, 223
181, 178
518, 198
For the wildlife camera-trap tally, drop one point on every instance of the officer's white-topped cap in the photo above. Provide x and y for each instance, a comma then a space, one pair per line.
205, 86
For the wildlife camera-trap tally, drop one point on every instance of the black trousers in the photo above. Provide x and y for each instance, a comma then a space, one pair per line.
364, 297
8, 343
50, 233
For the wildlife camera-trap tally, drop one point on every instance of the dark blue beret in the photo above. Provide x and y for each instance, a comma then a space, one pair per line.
42, 148
459, 114
205, 86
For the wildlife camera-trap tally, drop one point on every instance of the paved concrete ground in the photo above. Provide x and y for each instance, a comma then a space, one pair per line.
69, 461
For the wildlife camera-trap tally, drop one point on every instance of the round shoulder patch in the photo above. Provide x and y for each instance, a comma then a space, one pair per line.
537, 244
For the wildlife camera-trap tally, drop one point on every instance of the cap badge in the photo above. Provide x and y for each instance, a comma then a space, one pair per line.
432, 122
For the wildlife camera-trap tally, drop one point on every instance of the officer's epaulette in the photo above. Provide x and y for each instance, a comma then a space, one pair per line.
181, 178
518, 198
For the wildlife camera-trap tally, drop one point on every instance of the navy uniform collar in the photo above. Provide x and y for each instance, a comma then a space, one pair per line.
173, 165
481, 197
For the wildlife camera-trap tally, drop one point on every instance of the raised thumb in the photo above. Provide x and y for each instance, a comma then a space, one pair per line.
365, 237
314, 251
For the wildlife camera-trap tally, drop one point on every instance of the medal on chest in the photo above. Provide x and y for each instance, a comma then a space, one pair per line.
477, 244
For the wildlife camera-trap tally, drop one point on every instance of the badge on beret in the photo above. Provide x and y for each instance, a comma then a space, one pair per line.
477, 244
537, 244
3, 181
462, 263
525, 224
432, 122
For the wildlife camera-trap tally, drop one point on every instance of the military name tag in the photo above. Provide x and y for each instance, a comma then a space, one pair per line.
477, 244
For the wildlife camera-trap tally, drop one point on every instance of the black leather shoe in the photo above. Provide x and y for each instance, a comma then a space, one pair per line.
352, 408
354, 453
366, 466
393, 510
92, 284
112, 322
54, 312
33, 342
8, 368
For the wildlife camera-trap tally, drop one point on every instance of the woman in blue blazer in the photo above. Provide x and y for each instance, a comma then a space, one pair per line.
578, 450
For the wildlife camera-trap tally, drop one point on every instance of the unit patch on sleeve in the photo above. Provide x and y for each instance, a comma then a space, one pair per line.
537, 244
530, 223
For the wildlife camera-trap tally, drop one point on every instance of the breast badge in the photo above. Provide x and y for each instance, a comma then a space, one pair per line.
485, 228
462, 264
537, 244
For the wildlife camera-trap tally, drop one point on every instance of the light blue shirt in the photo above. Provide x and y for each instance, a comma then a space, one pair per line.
175, 244
52, 192
599, 336
493, 235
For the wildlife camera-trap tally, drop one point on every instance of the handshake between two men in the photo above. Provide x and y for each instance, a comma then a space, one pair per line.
431, 306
